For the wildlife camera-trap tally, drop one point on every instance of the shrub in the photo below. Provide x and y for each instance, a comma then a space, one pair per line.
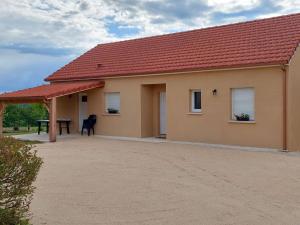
242, 117
19, 166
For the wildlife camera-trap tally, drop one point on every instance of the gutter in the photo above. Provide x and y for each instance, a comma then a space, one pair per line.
285, 105
89, 78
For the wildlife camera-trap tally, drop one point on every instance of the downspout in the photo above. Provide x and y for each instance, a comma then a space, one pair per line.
285, 105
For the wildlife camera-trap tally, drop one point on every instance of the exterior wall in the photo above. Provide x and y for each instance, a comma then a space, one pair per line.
213, 125
67, 107
150, 97
128, 122
147, 111
293, 102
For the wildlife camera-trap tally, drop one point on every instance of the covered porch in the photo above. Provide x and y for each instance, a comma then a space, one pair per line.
49, 95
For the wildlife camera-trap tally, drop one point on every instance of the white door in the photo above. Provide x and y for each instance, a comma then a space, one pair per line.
83, 109
162, 113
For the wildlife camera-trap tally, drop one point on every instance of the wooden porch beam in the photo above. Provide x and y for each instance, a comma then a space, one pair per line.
2, 108
52, 120
47, 105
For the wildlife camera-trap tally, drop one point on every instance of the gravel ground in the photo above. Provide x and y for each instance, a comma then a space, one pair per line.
89, 181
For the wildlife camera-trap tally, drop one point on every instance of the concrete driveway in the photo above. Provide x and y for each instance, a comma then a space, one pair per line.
89, 181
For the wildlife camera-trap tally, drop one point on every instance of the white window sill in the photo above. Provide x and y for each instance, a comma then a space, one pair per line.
243, 122
111, 114
195, 113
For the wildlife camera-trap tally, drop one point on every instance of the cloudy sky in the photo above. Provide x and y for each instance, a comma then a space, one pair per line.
39, 36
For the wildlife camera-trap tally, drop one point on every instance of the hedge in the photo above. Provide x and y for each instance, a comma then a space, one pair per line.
19, 166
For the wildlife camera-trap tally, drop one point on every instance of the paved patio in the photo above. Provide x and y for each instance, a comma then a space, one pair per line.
92, 180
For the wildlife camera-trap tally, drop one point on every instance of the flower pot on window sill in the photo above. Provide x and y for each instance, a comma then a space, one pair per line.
113, 111
242, 117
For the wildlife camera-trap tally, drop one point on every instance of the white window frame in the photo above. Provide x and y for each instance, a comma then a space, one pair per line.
108, 105
250, 112
192, 101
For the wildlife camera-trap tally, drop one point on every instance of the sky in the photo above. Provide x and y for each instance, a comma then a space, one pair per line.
37, 37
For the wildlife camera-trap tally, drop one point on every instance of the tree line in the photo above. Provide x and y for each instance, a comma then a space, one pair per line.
23, 115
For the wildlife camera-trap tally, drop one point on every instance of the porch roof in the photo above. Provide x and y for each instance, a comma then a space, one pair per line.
49, 91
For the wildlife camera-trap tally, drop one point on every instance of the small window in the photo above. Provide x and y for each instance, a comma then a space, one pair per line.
195, 101
243, 104
112, 102
84, 98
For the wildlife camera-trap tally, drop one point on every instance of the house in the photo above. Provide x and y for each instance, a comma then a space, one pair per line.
235, 84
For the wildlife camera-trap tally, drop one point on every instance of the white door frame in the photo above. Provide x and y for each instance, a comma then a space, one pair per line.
82, 110
162, 113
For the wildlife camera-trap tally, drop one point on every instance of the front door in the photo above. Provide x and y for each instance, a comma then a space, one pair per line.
83, 109
162, 113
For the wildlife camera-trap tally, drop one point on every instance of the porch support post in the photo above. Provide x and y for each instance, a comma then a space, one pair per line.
52, 120
2, 108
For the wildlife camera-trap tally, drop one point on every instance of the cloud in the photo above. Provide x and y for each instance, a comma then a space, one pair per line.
246, 12
233, 6
84, 5
170, 10
39, 36
31, 49
19, 70
121, 30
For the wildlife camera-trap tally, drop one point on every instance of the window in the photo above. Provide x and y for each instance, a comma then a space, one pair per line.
112, 102
195, 101
84, 98
242, 104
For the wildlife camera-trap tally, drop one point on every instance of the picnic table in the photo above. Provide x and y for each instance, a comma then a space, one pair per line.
60, 122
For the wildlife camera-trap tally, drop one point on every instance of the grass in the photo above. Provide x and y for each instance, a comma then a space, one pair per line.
9, 131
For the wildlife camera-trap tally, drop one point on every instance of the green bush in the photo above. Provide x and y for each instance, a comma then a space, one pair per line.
19, 166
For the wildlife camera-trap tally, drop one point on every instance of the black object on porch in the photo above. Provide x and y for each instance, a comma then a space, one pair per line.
89, 124
60, 123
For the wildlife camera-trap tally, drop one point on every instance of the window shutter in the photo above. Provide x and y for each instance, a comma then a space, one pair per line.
113, 101
243, 102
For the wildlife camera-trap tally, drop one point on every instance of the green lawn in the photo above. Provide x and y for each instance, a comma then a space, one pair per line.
9, 131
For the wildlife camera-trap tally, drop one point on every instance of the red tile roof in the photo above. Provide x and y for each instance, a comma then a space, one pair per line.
49, 91
260, 42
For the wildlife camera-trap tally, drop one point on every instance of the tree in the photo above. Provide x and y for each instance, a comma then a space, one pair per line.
24, 115
12, 116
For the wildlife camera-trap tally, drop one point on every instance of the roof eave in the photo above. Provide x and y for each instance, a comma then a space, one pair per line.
22, 99
171, 72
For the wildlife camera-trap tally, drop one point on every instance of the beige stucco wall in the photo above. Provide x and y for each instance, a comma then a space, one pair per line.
150, 108
128, 123
67, 108
147, 111
293, 103
213, 124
